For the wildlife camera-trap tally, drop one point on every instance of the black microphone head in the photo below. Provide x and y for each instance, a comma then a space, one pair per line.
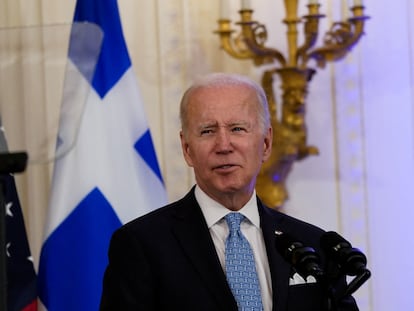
304, 259
285, 244
331, 239
349, 259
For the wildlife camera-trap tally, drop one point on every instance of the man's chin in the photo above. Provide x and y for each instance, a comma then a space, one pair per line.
234, 188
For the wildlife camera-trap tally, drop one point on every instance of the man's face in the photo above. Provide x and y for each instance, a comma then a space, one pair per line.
225, 143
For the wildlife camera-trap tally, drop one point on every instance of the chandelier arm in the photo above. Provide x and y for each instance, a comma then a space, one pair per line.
340, 39
264, 52
311, 35
340, 45
230, 44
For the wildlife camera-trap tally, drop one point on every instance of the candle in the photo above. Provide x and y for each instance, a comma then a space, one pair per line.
345, 10
313, 1
224, 9
245, 4
357, 2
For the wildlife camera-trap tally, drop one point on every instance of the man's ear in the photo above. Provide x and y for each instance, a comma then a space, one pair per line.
185, 147
267, 148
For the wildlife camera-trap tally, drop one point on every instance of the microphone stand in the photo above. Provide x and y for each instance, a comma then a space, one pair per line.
332, 298
9, 163
330, 302
357, 282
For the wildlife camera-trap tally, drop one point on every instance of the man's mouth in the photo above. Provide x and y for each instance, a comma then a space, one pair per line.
224, 167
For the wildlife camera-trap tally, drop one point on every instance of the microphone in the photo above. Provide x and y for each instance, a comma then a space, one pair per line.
350, 260
303, 258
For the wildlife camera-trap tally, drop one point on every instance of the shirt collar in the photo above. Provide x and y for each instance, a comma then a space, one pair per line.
214, 211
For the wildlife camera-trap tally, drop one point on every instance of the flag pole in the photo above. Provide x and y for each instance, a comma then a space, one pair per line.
9, 163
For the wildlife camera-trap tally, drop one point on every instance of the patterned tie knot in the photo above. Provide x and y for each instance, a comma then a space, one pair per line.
233, 221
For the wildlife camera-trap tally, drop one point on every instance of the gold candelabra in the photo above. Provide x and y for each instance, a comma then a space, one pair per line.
290, 132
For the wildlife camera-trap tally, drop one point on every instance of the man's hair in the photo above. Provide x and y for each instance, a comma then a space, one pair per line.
223, 79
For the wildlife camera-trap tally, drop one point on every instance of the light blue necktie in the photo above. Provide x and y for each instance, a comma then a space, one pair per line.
240, 267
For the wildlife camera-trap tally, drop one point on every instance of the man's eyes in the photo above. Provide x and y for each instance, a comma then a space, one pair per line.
238, 129
206, 131
211, 131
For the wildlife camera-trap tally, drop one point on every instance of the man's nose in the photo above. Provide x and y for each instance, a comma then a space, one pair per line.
223, 141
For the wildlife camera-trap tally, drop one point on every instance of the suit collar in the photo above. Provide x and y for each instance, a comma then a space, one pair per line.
214, 211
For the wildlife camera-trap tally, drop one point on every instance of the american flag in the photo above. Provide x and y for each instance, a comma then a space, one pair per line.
21, 276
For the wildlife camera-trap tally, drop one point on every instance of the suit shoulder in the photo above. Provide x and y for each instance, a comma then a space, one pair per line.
161, 216
153, 216
295, 226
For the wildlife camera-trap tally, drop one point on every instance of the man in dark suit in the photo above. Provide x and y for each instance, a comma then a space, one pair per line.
175, 258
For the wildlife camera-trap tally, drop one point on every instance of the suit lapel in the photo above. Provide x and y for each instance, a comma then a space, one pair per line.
192, 233
279, 268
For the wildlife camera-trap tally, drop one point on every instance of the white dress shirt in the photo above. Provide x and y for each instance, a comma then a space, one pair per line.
214, 214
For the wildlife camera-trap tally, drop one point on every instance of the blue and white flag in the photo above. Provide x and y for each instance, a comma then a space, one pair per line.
109, 177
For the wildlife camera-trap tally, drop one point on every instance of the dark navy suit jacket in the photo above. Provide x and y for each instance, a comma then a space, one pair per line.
166, 260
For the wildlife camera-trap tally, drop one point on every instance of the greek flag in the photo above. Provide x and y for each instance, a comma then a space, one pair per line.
109, 177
